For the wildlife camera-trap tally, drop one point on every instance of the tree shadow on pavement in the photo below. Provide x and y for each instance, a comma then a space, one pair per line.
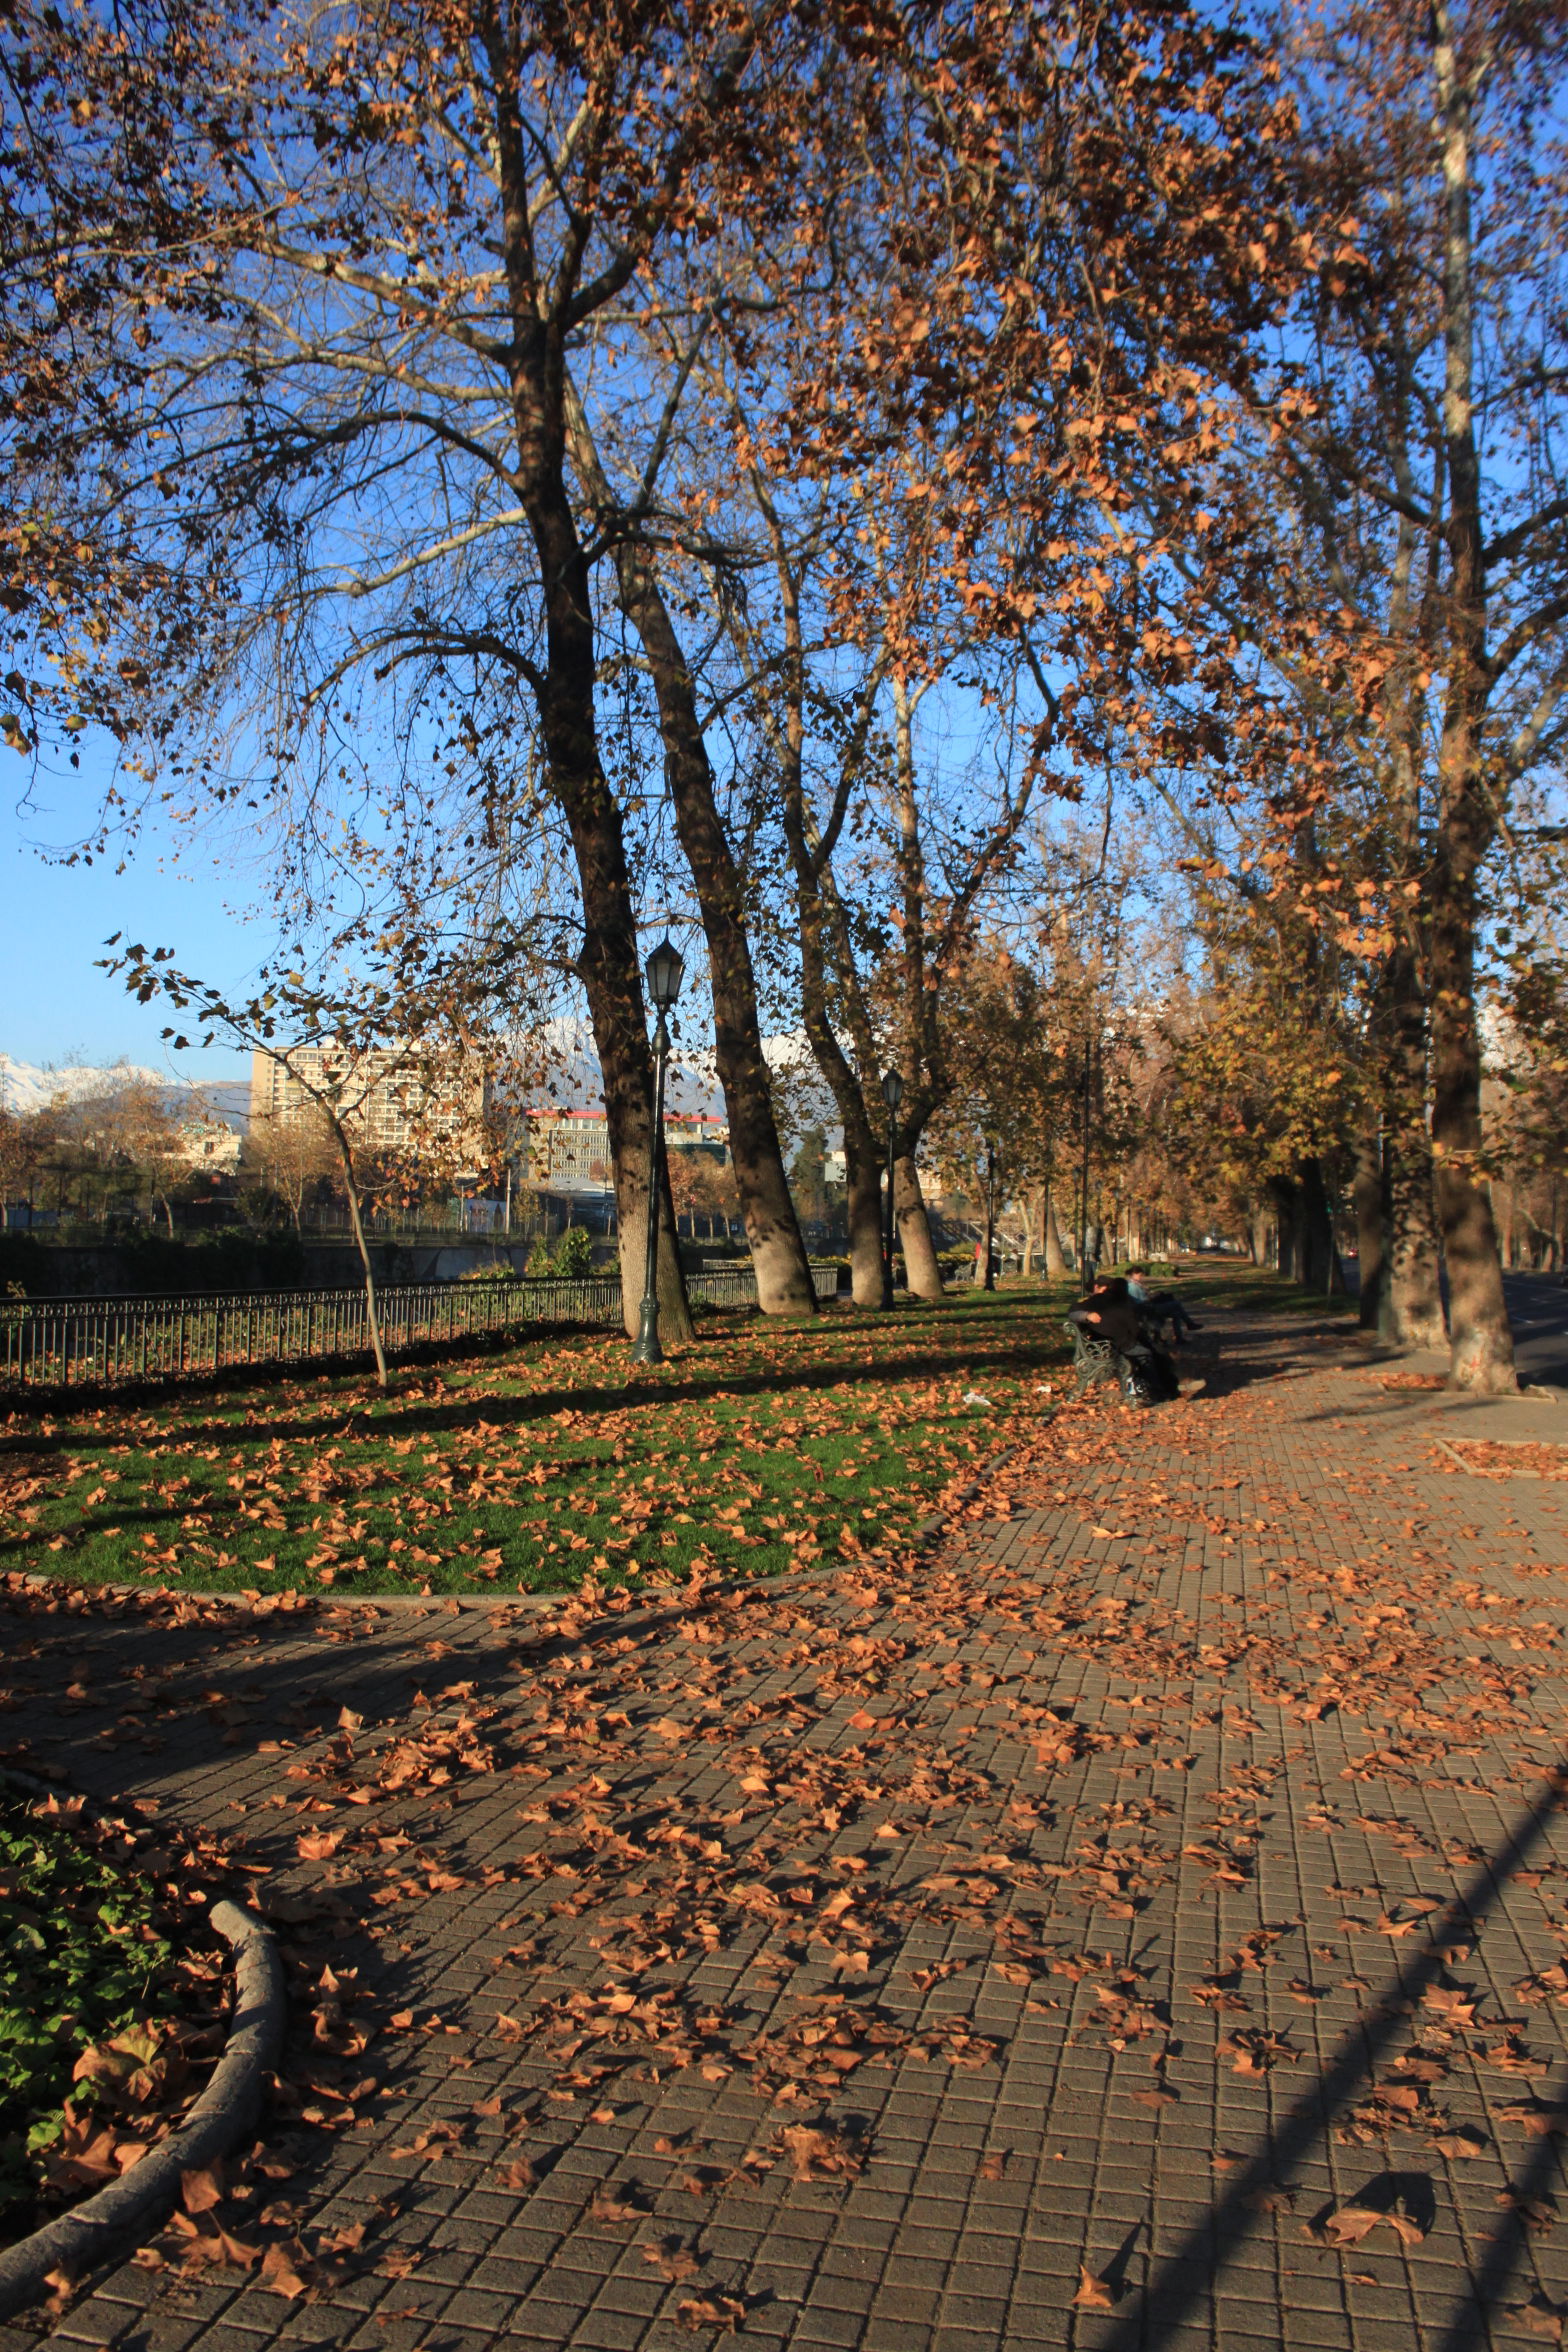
1182, 2282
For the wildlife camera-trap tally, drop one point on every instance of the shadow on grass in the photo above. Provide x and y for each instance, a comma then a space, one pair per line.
1180, 2284
394, 1420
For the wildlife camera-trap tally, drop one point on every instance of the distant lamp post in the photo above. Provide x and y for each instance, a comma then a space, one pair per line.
665, 970
892, 1095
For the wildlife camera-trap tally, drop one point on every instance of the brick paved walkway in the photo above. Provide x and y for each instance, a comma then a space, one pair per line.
1035, 1943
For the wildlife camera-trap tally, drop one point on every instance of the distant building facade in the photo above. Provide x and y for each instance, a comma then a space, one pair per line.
569, 1151
210, 1143
392, 1107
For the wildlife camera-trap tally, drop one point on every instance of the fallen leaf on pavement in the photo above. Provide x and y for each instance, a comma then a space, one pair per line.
1094, 2294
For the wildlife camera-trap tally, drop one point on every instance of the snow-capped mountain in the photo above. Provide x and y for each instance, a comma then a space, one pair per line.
25, 1087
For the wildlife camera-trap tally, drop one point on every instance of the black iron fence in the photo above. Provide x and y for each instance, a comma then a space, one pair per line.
82, 1342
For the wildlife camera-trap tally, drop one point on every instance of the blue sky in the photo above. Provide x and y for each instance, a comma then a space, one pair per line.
54, 1007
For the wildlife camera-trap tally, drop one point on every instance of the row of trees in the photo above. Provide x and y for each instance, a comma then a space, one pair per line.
786, 467
104, 1148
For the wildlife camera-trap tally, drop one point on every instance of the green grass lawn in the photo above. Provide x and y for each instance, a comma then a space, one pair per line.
756, 1446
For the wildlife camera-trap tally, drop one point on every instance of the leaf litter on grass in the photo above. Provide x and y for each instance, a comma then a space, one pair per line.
752, 1449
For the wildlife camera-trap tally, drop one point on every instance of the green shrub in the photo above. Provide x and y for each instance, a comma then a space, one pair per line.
574, 1251
539, 1258
80, 1960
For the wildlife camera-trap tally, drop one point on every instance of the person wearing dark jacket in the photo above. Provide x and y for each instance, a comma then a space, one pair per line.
1109, 1313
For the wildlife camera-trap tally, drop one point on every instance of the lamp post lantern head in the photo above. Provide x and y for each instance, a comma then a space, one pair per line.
666, 969
892, 1089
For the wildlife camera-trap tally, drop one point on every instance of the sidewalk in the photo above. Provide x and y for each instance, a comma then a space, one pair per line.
1030, 1943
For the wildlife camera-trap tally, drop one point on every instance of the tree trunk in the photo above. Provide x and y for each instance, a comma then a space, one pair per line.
564, 691
1055, 1259
1318, 1255
1367, 1192
1030, 1221
1286, 1194
913, 1226
988, 1229
612, 982
1481, 1342
351, 1187
778, 1250
1411, 1310
863, 1185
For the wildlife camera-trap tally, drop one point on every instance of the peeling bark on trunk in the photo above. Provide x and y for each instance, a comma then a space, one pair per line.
1411, 1308
1412, 1304
913, 1226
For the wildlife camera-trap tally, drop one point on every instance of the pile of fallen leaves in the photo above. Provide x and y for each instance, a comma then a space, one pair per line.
1489, 1457
106, 2025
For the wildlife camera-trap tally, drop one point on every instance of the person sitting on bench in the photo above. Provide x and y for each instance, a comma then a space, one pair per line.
1159, 1306
1109, 1321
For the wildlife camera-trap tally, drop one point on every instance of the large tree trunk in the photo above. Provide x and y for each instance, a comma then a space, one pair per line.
815, 905
564, 691
612, 982
863, 1184
1055, 1256
1367, 1193
913, 1226
1411, 1314
1286, 1195
1319, 1257
1481, 1342
778, 1250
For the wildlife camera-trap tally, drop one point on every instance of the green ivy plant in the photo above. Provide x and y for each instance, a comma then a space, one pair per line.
80, 1960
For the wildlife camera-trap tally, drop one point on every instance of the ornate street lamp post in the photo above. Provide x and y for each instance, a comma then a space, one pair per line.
665, 971
892, 1095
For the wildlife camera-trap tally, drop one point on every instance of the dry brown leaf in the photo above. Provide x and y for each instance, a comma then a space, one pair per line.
202, 2187
816, 2154
673, 2259
1347, 2225
285, 2268
725, 2312
616, 2204
1094, 2294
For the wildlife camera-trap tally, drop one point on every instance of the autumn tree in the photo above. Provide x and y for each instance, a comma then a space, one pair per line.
1400, 630
360, 376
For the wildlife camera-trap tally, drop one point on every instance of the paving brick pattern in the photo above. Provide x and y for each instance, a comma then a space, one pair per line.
1024, 1943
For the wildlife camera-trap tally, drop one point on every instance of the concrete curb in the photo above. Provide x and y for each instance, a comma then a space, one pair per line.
110, 2223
